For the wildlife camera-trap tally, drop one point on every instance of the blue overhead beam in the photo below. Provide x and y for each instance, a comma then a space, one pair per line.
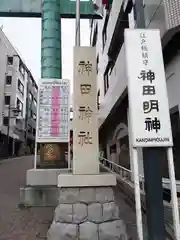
32, 8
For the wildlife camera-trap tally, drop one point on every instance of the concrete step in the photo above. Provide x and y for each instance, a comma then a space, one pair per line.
39, 196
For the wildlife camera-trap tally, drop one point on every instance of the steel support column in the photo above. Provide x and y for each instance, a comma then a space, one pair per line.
51, 40
77, 28
51, 64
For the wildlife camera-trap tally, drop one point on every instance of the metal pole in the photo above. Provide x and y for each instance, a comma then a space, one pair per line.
26, 120
139, 13
25, 129
25, 133
175, 209
154, 192
130, 147
35, 155
152, 158
51, 54
137, 194
77, 28
69, 156
51, 64
8, 127
135, 179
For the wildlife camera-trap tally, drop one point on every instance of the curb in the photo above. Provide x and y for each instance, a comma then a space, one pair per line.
13, 159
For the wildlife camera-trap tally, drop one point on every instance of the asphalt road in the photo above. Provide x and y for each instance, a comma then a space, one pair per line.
16, 224
33, 223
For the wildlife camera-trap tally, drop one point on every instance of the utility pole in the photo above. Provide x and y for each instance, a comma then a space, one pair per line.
25, 131
152, 158
15, 113
77, 28
8, 128
26, 119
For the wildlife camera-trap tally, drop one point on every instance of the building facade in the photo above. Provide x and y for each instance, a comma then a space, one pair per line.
18, 100
107, 35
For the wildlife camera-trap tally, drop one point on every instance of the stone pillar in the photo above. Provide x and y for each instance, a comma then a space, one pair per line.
85, 119
86, 208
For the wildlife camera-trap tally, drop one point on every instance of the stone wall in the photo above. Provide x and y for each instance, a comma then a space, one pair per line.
87, 214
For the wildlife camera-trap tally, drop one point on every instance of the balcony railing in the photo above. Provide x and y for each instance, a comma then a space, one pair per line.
172, 11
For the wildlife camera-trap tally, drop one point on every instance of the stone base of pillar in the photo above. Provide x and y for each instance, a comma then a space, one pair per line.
87, 180
39, 196
44, 177
87, 213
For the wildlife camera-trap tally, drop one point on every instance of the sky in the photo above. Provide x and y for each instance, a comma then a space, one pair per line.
25, 35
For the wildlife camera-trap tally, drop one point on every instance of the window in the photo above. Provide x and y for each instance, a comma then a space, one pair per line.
35, 89
34, 116
17, 121
19, 124
20, 86
94, 40
7, 100
19, 105
117, 39
35, 102
98, 100
104, 37
21, 68
97, 64
30, 80
124, 159
8, 80
106, 82
10, 60
34, 132
30, 97
175, 124
5, 121
104, 32
106, 77
29, 128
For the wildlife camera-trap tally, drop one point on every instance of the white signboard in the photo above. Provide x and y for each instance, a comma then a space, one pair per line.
85, 122
148, 100
53, 111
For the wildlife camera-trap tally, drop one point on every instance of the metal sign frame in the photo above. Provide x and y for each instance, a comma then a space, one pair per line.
52, 139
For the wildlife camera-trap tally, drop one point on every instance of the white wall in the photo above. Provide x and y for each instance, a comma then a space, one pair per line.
117, 84
6, 49
173, 81
116, 6
155, 18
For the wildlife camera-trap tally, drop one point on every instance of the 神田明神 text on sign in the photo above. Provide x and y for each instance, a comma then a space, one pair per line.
148, 101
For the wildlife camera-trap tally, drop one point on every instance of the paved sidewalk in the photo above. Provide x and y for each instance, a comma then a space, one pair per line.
16, 224
33, 223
